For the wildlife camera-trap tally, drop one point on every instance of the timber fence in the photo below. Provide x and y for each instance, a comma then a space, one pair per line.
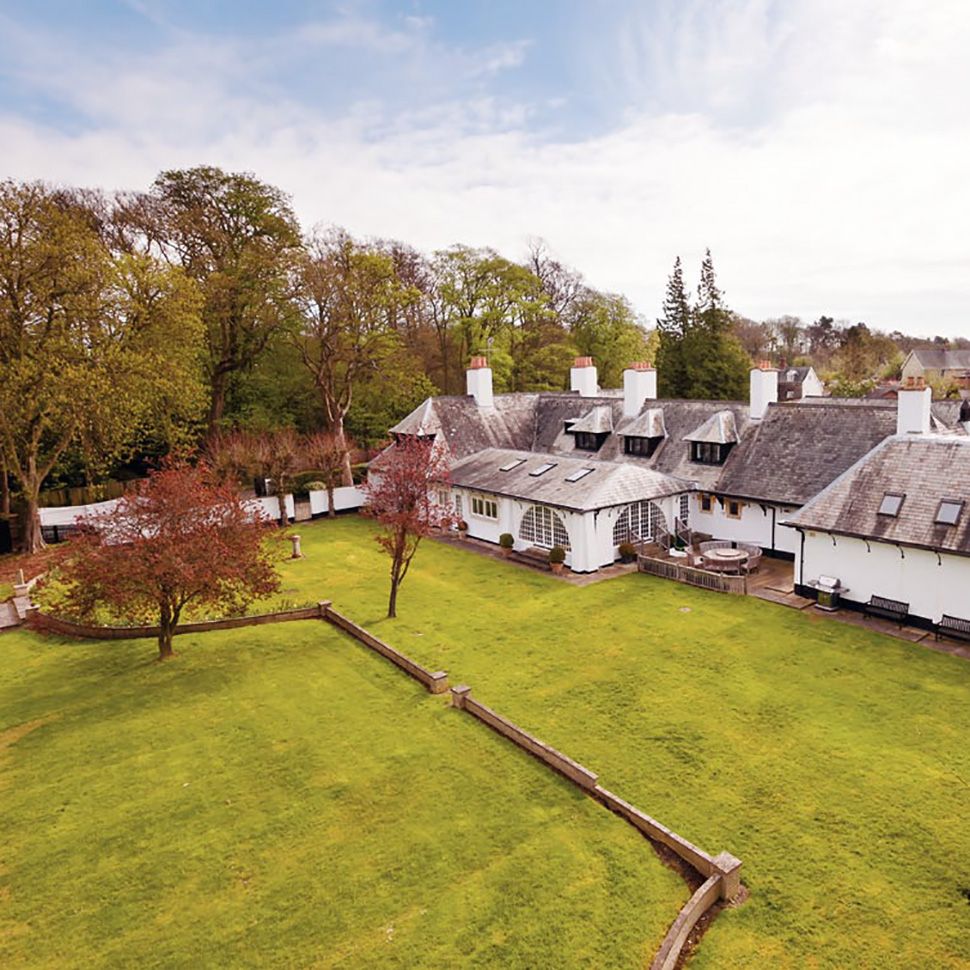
668, 569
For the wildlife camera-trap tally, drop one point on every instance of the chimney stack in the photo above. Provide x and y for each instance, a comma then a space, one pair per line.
913, 402
639, 385
478, 382
583, 377
764, 389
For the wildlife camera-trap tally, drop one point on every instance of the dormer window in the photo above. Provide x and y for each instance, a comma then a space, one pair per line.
589, 441
891, 503
642, 446
709, 452
949, 511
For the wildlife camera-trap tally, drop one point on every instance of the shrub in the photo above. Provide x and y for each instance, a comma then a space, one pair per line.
557, 554
462, 525
628, 551
315, 487
506, 541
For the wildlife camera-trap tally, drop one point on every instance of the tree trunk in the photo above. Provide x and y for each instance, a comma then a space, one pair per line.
331, 511
347, 475
33, 538
4, 489
217, 404
281, 501
166, 630
165, 651
392, 602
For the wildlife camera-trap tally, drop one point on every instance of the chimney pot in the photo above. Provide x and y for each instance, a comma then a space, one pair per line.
639, 385
583, 377
764, 390
478, 382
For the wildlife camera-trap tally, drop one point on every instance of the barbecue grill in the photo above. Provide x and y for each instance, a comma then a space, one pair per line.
830, 590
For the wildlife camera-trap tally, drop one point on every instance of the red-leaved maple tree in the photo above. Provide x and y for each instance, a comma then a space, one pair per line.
403, 492
178, 539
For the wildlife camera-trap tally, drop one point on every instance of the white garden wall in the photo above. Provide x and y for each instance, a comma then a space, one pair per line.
931, 585
344, 497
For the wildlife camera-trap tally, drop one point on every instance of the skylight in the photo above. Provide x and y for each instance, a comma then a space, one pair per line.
577, 475
514, 463
891, 504
543, 468
949, 511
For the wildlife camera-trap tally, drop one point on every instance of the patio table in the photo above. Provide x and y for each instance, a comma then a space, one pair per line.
725, 558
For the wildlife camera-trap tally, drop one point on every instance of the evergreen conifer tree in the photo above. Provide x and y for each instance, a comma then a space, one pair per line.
715, 364
672, 329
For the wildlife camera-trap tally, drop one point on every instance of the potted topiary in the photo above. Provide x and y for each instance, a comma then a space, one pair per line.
507, 542
462, 528
557, 556
628, 552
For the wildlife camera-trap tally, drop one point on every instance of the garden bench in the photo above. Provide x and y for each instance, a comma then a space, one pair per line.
888, 609
953, 626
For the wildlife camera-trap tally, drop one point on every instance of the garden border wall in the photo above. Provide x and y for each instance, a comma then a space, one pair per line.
435, 681
54, 624
722, 873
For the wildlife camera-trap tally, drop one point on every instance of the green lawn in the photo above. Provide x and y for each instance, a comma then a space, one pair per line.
281, 797
6, 591
833, 761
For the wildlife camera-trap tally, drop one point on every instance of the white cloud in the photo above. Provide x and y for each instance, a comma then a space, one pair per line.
819, 153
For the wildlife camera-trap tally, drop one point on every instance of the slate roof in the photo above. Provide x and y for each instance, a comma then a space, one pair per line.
796, 450
718, 429
607, 485
596, 421
926, 469
936, 359
647, 424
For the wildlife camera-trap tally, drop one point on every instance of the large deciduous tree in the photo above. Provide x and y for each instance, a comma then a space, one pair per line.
178, 540
403, 495
94, 346
350, 297
239, 239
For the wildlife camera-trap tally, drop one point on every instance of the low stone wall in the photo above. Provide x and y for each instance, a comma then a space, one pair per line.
53, 624
706, 895
575, 772
722, 873
435, 681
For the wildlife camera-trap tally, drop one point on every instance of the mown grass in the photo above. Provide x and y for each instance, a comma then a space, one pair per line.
278, 796
835, 762
6, 591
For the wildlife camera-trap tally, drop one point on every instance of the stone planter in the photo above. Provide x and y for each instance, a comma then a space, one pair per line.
556, 567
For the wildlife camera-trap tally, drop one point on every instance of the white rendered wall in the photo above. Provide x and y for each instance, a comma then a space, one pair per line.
812, 386
344, 497
932, 587
754, 525
69, 514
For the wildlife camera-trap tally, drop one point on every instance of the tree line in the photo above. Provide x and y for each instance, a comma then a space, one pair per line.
134, 324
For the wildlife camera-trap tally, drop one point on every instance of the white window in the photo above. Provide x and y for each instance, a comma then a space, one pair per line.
486, 508
685, 507
949, 512
640, 522
706, 502
733, 508
543, 468
543, 527
458, 510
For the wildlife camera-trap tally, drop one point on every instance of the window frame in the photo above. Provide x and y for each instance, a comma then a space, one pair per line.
705, 499
727, 508
956, 503
893, 511
641, 446
480, 506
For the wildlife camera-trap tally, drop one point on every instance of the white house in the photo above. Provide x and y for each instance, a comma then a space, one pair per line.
897, 523
734, 470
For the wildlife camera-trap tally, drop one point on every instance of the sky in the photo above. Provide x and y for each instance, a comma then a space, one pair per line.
820, 148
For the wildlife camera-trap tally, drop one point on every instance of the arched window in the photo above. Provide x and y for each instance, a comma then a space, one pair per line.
638, 523
543, 527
